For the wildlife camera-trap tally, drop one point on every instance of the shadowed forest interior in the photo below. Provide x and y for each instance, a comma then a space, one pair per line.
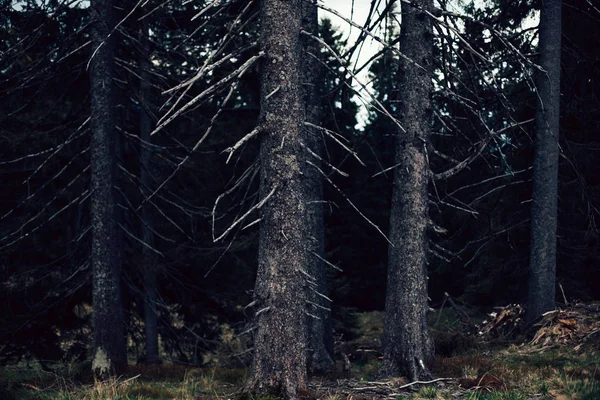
213, 199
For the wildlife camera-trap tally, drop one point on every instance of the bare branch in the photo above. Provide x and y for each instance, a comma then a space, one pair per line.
312, 153
255, 207
146, 245
351, 204
327, 262
241, 142
331, 135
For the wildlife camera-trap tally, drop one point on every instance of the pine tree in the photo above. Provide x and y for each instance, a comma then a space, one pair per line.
406, 342
542, 264
109, 333
280, 349
319, 359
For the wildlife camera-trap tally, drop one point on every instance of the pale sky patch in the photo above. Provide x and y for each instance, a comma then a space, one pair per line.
357, 11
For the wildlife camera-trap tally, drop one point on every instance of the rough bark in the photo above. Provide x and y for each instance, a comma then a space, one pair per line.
320, 358
149, 261
279, 364
542, 264
406, 342
109, 334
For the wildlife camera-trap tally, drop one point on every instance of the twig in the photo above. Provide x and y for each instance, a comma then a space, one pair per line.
255, 207
329, 133
333, 167
327, 262
146, 245
563, 293
30, 386
425, 382
130, 379
440, 313
240, 142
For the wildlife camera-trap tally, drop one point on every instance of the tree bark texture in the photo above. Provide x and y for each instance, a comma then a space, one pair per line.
406, 342
149, 261
320, 357
542, 264
280, 349
109, 333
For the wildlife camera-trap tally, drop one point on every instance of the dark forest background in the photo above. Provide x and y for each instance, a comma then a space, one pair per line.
479, 254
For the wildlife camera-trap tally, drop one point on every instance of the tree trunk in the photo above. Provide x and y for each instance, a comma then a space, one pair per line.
149, 262
279, 364
110, 354
319, 324
406, 342
542, 264
150, 316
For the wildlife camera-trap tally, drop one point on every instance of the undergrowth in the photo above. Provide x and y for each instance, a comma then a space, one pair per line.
513, 372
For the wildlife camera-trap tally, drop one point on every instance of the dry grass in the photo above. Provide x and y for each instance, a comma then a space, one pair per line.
514, 372
558, 375
162, 382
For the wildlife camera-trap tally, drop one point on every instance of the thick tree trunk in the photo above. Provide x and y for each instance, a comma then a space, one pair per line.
280, 293
406, 342
542, 264
149, 262
319, 324
109, 333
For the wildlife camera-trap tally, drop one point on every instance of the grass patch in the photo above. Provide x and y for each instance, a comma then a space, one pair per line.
258, 396
163, 382
592, 392
578, 389
545, 375
149, 391
365, 372
509, 395
449, 333
429, 392
367, 344
512, 372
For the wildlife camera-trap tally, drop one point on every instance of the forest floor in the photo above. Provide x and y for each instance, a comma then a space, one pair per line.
558, 359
